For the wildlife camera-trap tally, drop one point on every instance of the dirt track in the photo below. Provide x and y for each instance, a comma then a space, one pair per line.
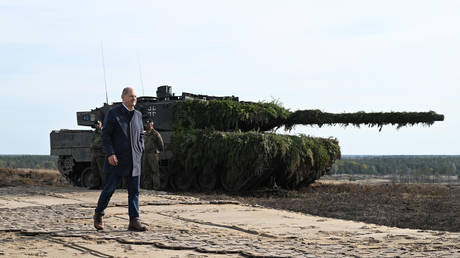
56, 221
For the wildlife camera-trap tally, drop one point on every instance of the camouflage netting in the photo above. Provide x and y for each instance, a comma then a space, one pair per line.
235, 161
228, 115
310, 117
220, 143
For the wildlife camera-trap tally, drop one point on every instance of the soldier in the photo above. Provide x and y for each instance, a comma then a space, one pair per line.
97, 157
150, 160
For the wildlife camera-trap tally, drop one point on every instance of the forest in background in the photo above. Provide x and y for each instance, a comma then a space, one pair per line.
28, 161
447, 165
415, 165
400, 168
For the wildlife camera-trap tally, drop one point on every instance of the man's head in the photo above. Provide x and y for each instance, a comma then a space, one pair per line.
129, 97
149, 126
98, 125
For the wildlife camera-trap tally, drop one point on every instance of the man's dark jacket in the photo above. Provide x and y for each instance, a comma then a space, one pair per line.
124, 137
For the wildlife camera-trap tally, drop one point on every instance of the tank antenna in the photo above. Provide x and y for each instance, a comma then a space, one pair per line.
140, 72
103, 68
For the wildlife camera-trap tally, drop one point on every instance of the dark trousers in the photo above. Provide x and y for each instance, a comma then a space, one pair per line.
111, 183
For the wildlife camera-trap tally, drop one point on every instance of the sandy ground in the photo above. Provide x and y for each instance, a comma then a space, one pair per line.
57, 222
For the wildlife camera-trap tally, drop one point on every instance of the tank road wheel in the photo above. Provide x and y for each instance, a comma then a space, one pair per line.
207, 179
87, 178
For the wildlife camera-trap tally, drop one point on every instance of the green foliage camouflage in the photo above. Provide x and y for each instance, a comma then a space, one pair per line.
228, 115
206, 159
220, 143
310, 117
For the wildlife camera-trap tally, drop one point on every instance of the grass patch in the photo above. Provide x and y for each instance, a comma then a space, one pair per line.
416, 206
31, 177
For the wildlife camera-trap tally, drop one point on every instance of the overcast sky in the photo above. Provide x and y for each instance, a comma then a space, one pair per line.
335, 56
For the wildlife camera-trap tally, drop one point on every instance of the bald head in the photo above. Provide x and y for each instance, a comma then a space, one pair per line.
126, 91
129, 97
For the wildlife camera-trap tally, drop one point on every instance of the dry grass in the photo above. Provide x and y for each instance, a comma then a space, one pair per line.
416, 206
31, 177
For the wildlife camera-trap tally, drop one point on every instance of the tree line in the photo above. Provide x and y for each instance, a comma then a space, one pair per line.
416, 165
28, 161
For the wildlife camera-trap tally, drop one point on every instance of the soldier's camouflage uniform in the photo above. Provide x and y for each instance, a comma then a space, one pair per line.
150, 176
97, 159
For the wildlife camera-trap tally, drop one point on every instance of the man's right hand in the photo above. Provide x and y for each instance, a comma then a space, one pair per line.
113, 160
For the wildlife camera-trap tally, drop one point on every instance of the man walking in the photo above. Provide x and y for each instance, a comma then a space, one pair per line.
123, 138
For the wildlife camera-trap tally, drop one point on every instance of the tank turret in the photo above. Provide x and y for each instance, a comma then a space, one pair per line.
216, 142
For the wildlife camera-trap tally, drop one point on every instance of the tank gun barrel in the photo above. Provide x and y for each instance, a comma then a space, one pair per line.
228, 115
371, 119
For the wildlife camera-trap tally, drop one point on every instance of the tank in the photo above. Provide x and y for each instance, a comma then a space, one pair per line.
222, 143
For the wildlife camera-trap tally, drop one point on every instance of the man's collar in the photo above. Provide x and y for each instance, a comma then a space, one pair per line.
126, 107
